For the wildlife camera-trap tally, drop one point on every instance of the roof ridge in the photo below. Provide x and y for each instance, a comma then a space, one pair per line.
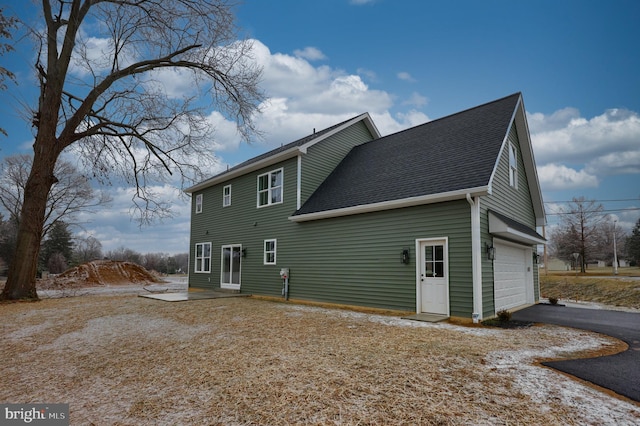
452, 115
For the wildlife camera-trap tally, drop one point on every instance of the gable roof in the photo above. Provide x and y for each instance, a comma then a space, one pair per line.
441, 160
284, 152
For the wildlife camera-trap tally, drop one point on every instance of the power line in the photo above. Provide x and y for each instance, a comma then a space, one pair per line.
601, 211
595, 201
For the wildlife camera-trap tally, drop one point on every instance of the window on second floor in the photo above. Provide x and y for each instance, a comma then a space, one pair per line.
270, 188
226, 196
513, 166
199, 203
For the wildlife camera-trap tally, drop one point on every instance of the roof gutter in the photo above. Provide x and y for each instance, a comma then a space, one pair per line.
389, 205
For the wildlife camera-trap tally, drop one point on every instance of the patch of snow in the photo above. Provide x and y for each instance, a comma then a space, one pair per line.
109, 330
546, 384
591, 305
543, 383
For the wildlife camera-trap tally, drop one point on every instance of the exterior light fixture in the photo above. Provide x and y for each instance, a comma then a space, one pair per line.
405, 256
491, 251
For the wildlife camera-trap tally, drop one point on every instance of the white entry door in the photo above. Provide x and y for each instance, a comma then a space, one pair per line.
434, 277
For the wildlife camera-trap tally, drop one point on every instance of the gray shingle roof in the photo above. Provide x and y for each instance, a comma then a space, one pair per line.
520, 227
282, 148
453, 153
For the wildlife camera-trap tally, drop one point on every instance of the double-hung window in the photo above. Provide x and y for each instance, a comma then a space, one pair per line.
226, 196
513, 166
203, 257
270, 188
199, 203
270, 252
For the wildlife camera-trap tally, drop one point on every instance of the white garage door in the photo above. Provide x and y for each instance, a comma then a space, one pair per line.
513, 276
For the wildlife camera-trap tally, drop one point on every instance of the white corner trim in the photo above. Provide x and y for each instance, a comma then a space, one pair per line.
299, 183
476, 256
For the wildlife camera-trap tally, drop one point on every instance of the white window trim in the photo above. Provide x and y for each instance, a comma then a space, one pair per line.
226, 198
265, 252
513, 168
196, 258
269, 189
199, 201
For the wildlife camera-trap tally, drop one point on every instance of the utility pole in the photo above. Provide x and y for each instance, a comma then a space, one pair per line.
615, 250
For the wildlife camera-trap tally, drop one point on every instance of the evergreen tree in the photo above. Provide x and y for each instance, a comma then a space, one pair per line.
632, 245
57, 244
8, 236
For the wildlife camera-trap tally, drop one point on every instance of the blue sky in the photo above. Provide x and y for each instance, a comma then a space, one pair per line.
408, 62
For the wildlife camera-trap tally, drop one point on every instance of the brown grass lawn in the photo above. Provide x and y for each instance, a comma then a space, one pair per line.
134, 361
600, 289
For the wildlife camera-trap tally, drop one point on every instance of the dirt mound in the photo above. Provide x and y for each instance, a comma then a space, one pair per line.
100, 273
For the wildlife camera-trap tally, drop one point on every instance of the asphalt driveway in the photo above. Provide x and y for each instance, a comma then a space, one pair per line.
619, 372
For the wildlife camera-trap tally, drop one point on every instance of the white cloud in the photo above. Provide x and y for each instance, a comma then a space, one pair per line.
225, 133
368, 74
310, 53
115, 226
565, 136
554, 177
304, 97
539, 123
174, 82
622, 162
406, 76
416, 100
605, 145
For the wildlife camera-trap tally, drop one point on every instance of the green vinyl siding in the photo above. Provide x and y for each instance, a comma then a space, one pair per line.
242, 222
357, 259
512, 202
322, 158
349, 260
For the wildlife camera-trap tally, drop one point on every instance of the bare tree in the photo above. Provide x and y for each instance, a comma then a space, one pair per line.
579, 230
7, 24
70, 196
604, 241
123, 254
111, 106
87, 249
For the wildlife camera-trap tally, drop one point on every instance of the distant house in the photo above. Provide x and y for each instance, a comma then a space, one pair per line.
440, 218
597, 264
555, 264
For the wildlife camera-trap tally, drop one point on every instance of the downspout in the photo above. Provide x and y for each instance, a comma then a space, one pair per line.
476, 257
299, 183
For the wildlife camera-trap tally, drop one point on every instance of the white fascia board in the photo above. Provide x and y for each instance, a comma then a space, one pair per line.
529, 165
266, 162
393, 204
519, 120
